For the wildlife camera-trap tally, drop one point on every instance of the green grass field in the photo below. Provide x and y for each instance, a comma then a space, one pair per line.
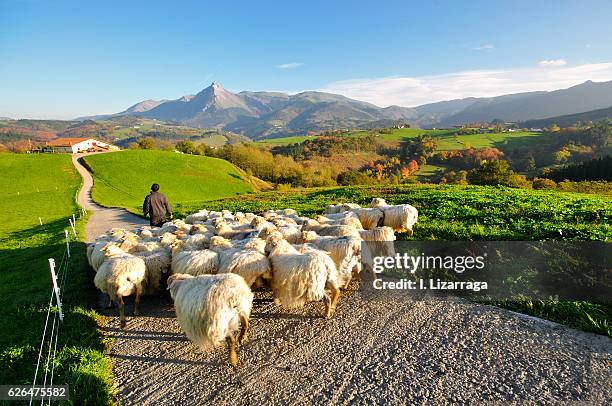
446, 140
123, 179
45, 186
274, 142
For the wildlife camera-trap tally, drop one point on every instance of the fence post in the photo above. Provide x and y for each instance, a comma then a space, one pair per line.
40, 221
72, 225
73, 219
67, 243
56, 288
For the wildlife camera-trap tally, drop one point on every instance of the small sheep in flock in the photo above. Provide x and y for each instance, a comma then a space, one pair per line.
400, 218
369, 217
298, 278
195, 262
344, 251
339, 208
119, 276
378, 242
345, 220
212, 309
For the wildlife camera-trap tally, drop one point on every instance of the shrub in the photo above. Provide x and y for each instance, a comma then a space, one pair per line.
543, 183
493, 173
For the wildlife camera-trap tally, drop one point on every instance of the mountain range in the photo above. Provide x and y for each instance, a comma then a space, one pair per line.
269, 114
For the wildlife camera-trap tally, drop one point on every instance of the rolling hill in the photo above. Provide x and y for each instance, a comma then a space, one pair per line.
123, 179
260, 115
533, 105
571, 119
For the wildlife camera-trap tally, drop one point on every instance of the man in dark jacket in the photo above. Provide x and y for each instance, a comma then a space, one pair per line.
156, 205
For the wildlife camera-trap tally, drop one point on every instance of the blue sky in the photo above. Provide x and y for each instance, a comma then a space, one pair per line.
62, 59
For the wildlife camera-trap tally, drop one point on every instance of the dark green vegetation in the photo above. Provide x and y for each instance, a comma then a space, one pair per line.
454, 212
596, 169
123, 179
45, 186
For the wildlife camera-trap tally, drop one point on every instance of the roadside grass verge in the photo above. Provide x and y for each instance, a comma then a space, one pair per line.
47, 185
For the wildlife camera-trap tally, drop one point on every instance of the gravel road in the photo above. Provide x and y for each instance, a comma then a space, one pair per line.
379, 348
102, 218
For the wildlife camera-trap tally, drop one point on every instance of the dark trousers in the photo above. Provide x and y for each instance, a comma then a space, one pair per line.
157, 221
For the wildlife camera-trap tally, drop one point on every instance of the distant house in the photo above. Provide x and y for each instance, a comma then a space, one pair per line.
76, 145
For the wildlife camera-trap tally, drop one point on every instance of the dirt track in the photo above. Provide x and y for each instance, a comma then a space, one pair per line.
379, 348
102, 218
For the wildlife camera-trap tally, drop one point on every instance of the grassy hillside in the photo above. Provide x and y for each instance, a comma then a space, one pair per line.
44, 186
123, 179
445, 139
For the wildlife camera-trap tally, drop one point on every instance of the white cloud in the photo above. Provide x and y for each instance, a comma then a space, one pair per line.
553, 62
485, 47
413, 91
291, 65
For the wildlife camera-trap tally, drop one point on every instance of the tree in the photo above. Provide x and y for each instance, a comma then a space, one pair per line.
413, 167
186, 147
492, 173
530, 165
553, 128
146, 143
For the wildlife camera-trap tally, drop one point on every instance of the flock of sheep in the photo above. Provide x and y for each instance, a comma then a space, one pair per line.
214, 260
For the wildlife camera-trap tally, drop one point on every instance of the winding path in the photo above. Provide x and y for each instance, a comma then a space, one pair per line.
379, 348
102, 218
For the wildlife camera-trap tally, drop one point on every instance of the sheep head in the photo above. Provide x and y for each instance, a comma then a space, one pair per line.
175, 280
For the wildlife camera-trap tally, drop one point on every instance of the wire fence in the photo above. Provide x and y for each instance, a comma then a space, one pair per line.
46, 362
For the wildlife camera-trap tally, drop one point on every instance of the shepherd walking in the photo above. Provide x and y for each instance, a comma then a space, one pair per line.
156, 206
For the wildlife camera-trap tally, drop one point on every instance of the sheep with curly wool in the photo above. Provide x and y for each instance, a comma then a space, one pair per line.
348, 220
369, 217
201, 215
119, 276
333, 230
378, 242
339, 208
400, 218
158, 263
248, 263
298, 278
198, 262
212, 309
344, 251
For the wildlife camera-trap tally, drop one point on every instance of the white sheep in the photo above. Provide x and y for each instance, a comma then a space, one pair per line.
378, 242
339, 208
211, 309
121, 275
202, 215
195, 262
248, 263
298, 278
346, 220
369, 217
158, 263
333, 230
344, 251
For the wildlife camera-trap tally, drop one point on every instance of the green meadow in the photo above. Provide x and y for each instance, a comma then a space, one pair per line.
123, 179
45, 186
446, 139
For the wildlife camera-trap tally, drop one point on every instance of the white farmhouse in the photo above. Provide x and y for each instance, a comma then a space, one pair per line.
76, 145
